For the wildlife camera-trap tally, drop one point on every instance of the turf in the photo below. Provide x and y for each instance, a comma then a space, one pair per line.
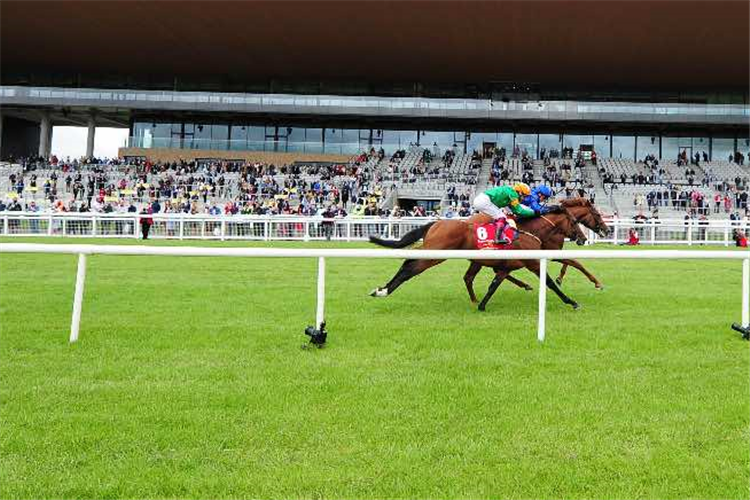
189, 381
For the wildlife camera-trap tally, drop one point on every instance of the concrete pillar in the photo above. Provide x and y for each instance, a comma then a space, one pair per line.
45, 136
90, 137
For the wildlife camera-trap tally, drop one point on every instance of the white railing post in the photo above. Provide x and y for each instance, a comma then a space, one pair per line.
690, 233
726, 236
93, 226
306, 229
78, 297
136, 226
182, 227
5, 225
653, 232
348, 231
615, 228
223, 229
49, 225
64, 226
746, 293
320, 312
540, 333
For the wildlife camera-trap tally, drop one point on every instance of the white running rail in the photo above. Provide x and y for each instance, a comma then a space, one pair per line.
370, 253
282, 227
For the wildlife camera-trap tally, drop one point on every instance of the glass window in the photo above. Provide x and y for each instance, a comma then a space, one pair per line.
700, 146
689, 145
477, 140
333, 136
162, 130
238, 137
743, 144
314, 135
549, 143
526, 143
350, 136
623, 146
648, 145
256, 133
219, 136
398, 139
721, 148
602, 146
444, 140
202, 137
575, 141
162, 135
220, 132
294, 134
669, 148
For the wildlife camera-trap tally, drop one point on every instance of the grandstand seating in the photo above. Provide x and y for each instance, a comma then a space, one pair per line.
368, 180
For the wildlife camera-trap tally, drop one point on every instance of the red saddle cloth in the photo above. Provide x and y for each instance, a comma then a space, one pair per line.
484, 237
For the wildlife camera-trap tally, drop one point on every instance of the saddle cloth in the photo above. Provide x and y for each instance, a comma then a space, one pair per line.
484, 237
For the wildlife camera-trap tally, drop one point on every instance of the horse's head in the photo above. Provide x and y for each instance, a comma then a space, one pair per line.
570, 227
587, 214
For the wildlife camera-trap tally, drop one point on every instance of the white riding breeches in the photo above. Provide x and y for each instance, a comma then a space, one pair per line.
483, 204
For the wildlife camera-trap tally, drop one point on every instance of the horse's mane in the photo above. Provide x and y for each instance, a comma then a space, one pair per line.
576, 202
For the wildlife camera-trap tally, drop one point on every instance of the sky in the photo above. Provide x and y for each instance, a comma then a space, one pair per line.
71, 141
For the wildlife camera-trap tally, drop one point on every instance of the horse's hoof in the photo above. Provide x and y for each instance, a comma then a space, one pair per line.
600, 287
576, 306
558, 281
481, 308
379, 292
528, 288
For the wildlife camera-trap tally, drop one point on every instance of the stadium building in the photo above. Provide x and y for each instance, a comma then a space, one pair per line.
324, 81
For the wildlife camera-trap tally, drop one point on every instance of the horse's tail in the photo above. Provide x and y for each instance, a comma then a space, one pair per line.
409, 238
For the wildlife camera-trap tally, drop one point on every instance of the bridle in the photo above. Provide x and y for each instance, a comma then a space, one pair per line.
554, 226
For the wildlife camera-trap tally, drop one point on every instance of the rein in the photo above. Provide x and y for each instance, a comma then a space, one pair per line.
521, 231
548, 221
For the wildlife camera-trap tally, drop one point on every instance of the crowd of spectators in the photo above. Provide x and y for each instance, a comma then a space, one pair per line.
692, 199
218, 187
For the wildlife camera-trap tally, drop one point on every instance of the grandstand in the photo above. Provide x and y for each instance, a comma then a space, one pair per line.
260, 135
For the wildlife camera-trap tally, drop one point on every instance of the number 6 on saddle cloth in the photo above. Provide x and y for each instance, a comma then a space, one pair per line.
484, 234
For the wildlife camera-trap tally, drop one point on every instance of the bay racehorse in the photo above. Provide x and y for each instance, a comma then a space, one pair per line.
459, 235
582, 210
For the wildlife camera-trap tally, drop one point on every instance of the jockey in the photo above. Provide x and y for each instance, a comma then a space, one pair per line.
536, 199
492, 201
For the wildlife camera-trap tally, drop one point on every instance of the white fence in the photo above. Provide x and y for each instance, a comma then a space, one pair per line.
321, 254
268, 228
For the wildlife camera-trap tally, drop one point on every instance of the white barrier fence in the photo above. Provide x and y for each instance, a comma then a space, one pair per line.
269, 228
365, 253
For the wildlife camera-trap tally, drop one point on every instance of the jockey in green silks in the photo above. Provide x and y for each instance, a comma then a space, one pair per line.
492, 201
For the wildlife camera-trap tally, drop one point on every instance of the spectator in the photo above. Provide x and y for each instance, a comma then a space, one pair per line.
146, 222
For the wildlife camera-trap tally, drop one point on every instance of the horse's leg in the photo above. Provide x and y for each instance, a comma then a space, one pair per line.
500, 275
471, 273
563, 270
533, 266
579, 266
519, 283
409, 269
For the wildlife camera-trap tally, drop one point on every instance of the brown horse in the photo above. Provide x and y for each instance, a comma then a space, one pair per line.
582, 210
459, 235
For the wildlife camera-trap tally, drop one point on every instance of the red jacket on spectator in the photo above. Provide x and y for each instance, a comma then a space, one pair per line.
633, 238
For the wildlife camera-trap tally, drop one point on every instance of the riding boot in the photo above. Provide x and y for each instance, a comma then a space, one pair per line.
501, 237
